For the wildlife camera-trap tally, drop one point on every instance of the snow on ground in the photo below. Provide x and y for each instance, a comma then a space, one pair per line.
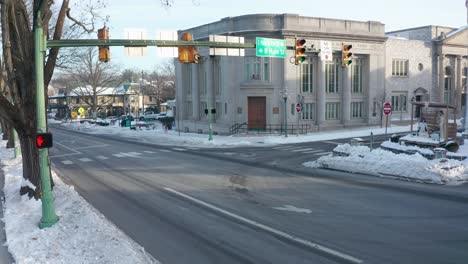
171, 137
384, 163
82, 235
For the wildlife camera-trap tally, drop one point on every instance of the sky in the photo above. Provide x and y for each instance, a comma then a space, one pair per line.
152, 17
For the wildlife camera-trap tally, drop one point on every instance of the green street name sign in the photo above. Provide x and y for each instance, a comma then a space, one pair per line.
267, 47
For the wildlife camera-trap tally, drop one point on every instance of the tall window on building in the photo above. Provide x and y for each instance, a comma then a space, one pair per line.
448, 85
306, 77
357, 110
219, 109
257, 68
217, 76
331, 76
399, 67
202, 79
188, 108
332, 111
308, 111
399, 102
356, 76
203, 106
188, 79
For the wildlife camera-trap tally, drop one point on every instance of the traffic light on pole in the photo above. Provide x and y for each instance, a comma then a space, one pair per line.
346, 55
43, 140
300, 51
188, 54
104, 51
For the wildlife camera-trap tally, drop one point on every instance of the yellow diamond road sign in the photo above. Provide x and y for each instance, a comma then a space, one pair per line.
81, 110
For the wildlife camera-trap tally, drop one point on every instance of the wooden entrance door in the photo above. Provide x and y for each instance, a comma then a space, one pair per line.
257, 112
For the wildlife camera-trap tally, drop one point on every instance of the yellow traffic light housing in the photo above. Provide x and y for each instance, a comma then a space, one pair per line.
346, 55
300, 51
188, 54
104, 51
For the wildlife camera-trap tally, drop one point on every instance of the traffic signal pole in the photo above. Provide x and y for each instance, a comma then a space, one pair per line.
49, 218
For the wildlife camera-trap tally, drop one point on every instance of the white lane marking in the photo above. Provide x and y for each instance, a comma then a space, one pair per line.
312, 151
281, 147
165, 150
331, 142
97, 146
322, 153
268, 229
291, 208
289, 147
85, 160
134, 153
67, 162
119, 155
229, 153
101, 157
149, 152
63, 155
179, 149
304, 149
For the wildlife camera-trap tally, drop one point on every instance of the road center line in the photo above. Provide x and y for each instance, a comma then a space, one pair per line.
97, 146
268, 229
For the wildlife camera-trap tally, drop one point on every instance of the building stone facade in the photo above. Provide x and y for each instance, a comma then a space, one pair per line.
252, 90
436, 66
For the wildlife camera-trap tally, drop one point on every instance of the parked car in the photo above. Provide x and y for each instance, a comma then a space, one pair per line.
149, 116
161, 115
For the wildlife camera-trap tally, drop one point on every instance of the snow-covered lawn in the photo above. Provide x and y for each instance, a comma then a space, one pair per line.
82, 235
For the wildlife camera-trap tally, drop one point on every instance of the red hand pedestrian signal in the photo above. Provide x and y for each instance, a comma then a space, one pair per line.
43, 140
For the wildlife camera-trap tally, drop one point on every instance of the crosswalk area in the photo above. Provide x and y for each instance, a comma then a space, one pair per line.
304, 150
130, 154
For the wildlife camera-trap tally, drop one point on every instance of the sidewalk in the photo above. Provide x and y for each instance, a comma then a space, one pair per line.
5, 256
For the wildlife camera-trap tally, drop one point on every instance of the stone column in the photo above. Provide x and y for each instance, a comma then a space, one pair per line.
346, 102
321, 93
457, 83
195, 93
441, 73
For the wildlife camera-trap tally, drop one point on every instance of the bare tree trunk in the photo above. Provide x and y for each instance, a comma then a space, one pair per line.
9, 136
3, 124
30, 166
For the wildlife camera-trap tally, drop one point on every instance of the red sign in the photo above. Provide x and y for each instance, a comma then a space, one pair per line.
387, 108
298, 108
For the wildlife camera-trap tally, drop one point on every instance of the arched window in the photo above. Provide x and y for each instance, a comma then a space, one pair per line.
448, 87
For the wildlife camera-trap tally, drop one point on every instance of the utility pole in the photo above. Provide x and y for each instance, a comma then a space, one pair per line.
49, 218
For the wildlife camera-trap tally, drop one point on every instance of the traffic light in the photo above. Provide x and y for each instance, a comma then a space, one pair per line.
104, 51
43, 140
300, 51
188, 54
346, 55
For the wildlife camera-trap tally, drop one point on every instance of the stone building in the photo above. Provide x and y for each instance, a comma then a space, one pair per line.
262, 92
426, 64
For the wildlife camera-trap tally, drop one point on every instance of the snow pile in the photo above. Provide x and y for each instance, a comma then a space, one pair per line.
82, 235
397, 146
380, 162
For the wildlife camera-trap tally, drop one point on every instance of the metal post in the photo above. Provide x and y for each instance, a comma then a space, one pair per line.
371, 141
49, 217
285, 117
466, 104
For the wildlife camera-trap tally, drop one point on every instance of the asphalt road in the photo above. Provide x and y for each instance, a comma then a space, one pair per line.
259, 205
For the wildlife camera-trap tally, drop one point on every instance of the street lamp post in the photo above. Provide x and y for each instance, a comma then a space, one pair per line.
285, 98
